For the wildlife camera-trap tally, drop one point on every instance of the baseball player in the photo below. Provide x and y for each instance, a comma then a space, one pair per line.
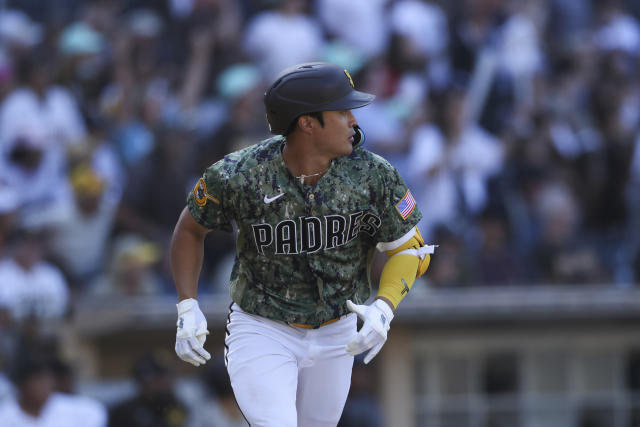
311, 206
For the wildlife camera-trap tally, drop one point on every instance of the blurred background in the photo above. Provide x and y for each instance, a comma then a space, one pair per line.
516, 123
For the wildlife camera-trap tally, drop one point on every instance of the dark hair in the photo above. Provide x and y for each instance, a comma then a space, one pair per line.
316, 115
41, 59
29, 365
148, 366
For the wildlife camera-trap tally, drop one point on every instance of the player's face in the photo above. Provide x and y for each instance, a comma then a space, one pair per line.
336, 137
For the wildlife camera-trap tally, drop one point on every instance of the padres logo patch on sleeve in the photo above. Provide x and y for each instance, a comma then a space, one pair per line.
200, 194
406, 205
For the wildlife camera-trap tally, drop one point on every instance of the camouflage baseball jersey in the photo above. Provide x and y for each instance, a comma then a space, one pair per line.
303, 250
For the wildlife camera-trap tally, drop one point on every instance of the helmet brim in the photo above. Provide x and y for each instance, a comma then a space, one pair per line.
355, 99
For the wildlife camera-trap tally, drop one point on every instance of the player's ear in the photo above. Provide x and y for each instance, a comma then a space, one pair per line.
306, 123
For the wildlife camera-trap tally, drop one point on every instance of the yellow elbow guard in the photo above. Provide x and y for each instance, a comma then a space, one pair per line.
397, 277
415, 246
406, 263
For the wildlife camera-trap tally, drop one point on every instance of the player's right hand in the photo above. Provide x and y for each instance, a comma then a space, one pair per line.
373, 334
192, 333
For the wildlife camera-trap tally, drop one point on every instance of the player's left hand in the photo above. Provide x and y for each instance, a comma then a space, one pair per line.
373, 334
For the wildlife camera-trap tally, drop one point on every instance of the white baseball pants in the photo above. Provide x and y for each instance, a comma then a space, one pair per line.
286, 376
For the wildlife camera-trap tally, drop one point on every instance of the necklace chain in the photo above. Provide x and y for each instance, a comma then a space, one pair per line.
301, 177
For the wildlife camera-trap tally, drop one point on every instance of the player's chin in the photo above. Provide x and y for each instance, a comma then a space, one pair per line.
344, 148
349, 145
348, 149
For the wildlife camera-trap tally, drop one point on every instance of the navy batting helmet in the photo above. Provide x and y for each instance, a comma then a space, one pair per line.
308, 88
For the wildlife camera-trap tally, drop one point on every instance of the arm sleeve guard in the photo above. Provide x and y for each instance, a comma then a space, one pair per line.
406, 263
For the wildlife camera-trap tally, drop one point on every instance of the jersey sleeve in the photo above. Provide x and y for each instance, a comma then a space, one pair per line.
400, 212
209, 201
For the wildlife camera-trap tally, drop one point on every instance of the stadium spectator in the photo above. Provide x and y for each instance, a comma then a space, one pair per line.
360, 25
564, 255
220, 408
450, 163
29, 286
37, 404
420, 40
497, 261
155, 404
131, 272
279, 38
80, 237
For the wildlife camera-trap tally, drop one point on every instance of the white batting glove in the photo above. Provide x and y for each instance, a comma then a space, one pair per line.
192, 333
373, 334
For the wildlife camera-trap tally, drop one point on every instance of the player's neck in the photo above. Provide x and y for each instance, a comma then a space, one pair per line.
303, 163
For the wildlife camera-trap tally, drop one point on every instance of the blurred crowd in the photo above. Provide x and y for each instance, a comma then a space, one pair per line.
516, 123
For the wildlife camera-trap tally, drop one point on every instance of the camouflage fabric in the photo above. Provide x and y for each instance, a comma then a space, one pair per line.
302, 250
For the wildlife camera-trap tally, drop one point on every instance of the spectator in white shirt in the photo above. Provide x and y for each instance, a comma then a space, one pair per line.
280, 38
29, 286
39, 100
616, 28
39, 121
450, 164
423, 23
359, 24
38, 405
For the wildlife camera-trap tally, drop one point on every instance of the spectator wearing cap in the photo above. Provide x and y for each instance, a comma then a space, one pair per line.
132, 269
80, 237
84, 60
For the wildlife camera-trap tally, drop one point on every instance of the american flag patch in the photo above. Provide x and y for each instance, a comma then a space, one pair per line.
406, 205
